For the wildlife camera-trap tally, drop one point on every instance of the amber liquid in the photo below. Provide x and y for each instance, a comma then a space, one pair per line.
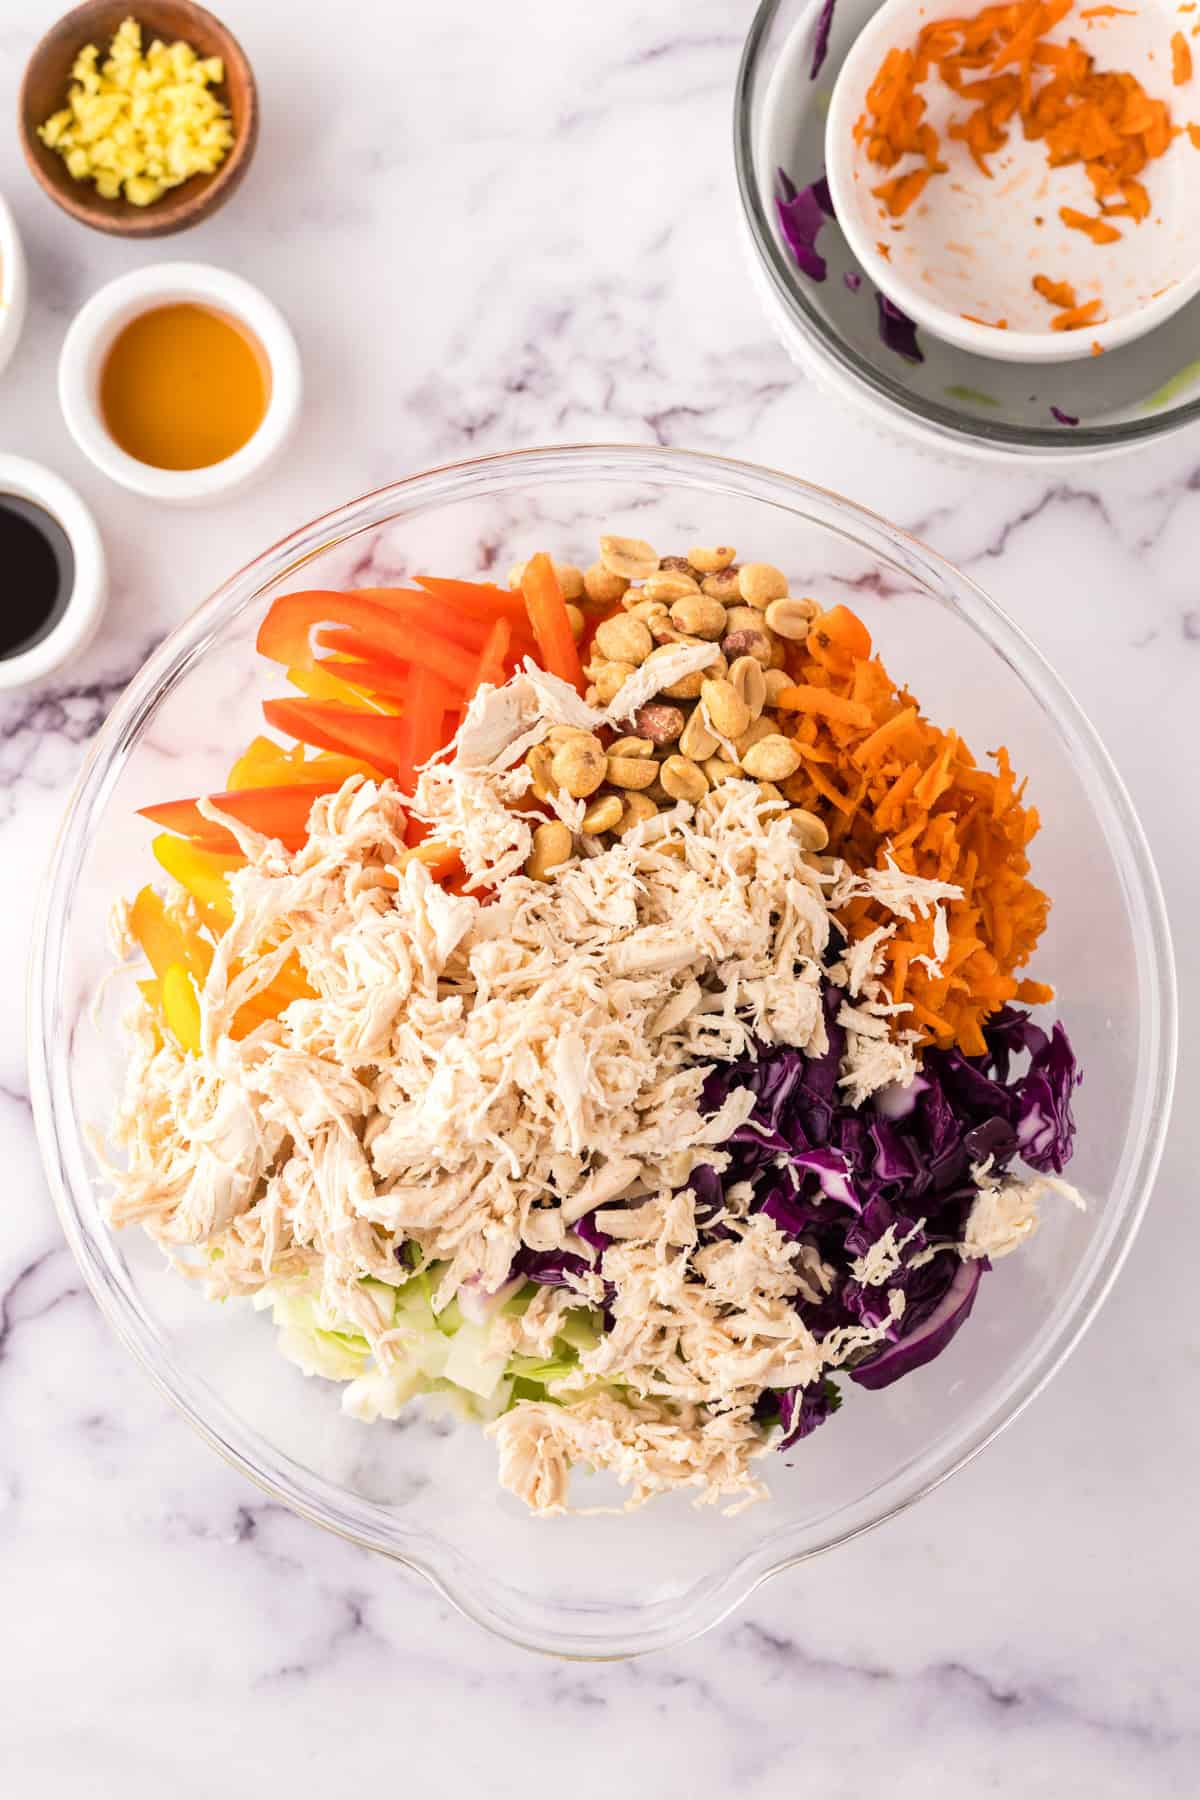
184, 386
37, 573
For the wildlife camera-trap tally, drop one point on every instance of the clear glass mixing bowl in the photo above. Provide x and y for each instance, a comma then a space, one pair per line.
423, 1491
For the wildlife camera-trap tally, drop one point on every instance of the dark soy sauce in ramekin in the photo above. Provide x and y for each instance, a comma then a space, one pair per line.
37, 573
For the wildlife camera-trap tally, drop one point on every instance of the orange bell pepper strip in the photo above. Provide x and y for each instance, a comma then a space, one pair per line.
378, 740
551, 625
278, 812
285, 635
164, 940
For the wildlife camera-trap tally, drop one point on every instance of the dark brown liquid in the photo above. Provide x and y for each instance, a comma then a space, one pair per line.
37, 573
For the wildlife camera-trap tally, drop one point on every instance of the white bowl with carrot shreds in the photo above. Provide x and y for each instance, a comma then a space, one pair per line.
1021, 180
606, 1017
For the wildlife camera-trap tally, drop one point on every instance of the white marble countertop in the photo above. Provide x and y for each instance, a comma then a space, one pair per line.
516, 224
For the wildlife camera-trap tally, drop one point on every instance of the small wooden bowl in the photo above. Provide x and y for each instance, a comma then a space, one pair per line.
44, 91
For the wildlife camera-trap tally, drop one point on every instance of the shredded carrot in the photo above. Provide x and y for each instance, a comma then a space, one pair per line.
1000, 63
1076, 317
1058, 293
1096, 229
1097, 349
1181, 59
1193, 132
889, 784
992, 324
1108, 12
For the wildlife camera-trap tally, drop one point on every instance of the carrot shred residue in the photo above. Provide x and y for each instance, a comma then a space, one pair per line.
889, 784
1108, 12
1096, 229
992, 324
1058, 293
1193, 132
1076, 317
1181, 59
1000, 63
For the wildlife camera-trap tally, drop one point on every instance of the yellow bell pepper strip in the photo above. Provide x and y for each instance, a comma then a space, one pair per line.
278, 812
321, 683
203, 873
551, 625
181, 1007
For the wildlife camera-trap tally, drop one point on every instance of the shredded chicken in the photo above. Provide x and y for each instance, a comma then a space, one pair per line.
476, 1072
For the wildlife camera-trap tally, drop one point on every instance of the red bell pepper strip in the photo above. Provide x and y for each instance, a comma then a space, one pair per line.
551, 625
285, 635
379, 740
278, 812
427, 613
428, 701
480, 599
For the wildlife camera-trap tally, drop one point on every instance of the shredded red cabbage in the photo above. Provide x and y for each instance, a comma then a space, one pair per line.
1064, 418
898, 331
837, 1177
821, 38
802, 212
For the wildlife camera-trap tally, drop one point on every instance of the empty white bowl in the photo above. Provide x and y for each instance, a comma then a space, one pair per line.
166, 284
964, 255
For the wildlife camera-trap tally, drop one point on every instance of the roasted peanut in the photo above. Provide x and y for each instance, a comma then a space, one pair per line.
679, 565
760, 583
631, 746
633, 558
638, 808
727, 712
552, 846
660, 723
540, 761
698, 616
778, 654
604, 814
771, 759
747, 643
755, 732
602, 586
743, 618
610, 678
632, 771
747, 676
722, 586
719, 771
624, 639
696, 740
576, 620
712, 561
683, 779
769, 794
789, 618
687, 687
579, 765
809, 830
669, 585
650, 612
776, 680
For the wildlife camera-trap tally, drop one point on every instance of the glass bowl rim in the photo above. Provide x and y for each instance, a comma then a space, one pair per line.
928, 417
659, 1624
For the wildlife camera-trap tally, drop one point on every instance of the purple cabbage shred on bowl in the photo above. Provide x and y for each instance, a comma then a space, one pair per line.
897, 330
821, 38
901, 1169
1064, 418
802, 212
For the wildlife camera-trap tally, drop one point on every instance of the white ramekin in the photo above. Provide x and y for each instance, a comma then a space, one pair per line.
73, 632
164, 284
12, 283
